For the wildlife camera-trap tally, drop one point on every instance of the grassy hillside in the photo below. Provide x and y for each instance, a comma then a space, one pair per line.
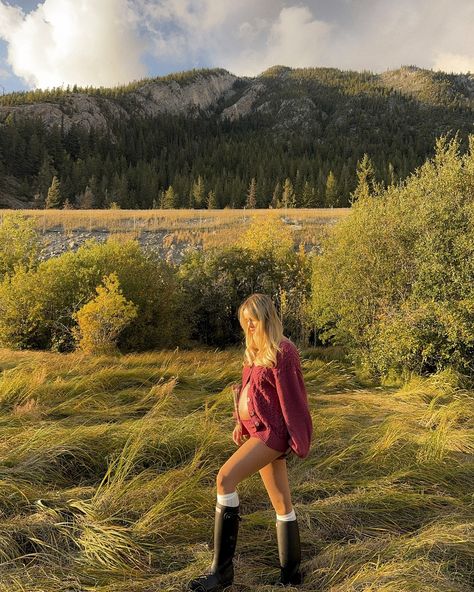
108, 465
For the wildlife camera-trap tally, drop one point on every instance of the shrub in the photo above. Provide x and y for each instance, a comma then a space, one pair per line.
22, 322
217, 281
395, 279
61, 285
20, 243
103, 318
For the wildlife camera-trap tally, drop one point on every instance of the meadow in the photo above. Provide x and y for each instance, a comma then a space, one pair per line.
108, 466
207, 228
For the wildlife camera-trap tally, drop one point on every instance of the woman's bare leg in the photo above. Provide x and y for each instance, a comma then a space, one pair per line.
251, 456
275, 478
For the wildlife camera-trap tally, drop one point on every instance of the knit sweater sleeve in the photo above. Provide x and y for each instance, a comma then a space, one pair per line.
294, 401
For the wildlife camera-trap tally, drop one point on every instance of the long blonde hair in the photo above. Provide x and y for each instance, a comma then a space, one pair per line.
270, 330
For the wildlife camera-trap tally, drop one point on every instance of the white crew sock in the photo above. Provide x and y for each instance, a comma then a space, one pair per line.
228, 499
287, 517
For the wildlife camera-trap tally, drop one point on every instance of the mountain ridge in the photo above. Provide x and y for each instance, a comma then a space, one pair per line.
301, 123
200, 92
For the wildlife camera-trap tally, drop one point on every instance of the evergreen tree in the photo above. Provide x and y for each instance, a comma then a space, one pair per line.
198, 192
308, 196
288, 199
85, 201
251, 201
169, 198
67, 189
276, 197
53, 199
161, 198
365, 178
120, 190
45, 176
298, 188
212, 200
94, 187
331, 195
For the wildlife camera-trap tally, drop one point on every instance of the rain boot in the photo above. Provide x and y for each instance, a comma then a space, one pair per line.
221, 573
289, 552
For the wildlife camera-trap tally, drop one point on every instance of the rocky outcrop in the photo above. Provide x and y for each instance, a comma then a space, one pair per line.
77, 108
201, 95
153, 98
245, 105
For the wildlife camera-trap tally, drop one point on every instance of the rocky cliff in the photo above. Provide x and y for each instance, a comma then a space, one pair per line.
150, 99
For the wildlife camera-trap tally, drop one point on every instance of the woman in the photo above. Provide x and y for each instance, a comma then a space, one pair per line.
273, 420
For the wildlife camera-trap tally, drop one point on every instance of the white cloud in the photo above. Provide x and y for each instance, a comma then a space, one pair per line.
73, 42
10, 17
294, 39
202, 30
103, 42
248, 36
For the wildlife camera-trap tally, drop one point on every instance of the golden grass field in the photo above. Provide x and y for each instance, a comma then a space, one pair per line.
108, 466
206, 227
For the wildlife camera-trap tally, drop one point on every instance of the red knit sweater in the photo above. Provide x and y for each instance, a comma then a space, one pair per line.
278, 403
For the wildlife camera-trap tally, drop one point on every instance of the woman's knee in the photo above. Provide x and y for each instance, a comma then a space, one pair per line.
224, 481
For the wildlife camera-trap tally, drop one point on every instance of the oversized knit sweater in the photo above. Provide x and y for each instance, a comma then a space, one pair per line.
278, 403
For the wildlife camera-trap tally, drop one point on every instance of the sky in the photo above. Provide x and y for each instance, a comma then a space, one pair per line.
51, 43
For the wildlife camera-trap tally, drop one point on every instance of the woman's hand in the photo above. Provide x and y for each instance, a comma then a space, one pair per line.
237, 435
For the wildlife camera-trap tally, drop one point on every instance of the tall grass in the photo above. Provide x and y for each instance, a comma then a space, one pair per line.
108, 466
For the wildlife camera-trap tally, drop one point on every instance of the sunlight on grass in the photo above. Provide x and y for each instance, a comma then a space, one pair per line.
108, 466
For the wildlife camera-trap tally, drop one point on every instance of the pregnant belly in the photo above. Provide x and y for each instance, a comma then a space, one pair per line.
243, 409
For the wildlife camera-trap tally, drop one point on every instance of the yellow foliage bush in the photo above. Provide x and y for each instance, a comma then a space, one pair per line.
273, 238
101, 320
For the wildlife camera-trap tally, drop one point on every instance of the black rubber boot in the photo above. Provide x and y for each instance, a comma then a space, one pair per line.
289, 551
221, 573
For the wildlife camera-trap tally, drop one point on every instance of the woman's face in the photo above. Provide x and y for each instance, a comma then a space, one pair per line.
251, 322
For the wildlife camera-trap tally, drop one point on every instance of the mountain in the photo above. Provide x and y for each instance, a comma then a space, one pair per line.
300, 124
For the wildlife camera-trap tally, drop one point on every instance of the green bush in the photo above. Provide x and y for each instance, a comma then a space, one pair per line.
22, 322
395, 280
20, 243
62, 285
218, 280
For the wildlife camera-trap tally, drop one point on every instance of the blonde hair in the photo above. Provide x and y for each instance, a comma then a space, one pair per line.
270, 334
